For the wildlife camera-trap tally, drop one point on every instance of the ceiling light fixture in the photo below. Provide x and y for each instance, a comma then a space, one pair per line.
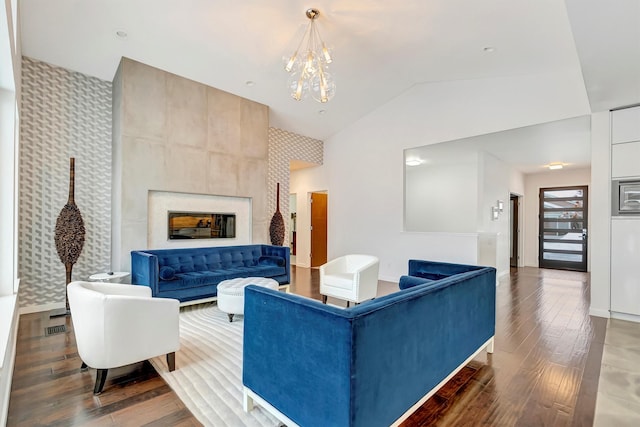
414, 162
555, 166
309, 68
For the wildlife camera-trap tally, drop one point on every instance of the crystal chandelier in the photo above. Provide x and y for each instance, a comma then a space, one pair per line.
309, 67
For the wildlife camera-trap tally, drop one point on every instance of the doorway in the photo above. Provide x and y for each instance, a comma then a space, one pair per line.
514, 201
318, 229
293, 236
563, 228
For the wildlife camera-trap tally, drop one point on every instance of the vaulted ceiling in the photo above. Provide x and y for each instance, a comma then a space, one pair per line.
381, 49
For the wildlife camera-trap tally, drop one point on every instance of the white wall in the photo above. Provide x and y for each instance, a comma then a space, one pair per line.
516, 182
366, 165
494, 186
442, 197
600, 217
533, 183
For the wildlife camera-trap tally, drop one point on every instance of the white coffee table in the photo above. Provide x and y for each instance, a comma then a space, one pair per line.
231, 293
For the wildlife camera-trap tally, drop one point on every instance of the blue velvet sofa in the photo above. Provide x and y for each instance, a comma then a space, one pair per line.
373, 364
190, 274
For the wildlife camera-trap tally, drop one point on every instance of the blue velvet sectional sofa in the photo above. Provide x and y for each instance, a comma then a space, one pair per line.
190, 274
373, 364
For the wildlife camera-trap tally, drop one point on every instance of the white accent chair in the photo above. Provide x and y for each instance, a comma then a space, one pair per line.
351, 277
117, 325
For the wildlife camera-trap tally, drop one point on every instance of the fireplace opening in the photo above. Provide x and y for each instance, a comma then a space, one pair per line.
201, 225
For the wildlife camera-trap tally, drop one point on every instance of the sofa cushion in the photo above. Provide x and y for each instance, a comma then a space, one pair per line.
199, 263
167, 273
213, 261
194, 279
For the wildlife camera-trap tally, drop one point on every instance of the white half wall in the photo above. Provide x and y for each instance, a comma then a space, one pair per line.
161, 202
494, 186
600, 215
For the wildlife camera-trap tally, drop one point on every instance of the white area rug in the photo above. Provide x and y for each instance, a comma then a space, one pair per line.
208, 375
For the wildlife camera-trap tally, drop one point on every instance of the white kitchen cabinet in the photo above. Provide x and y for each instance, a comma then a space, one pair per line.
625, 125
625, 265
625, 160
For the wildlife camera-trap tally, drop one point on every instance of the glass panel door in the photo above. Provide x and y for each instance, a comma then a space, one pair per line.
563, 228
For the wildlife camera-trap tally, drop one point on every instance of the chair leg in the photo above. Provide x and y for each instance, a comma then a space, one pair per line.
324, 299
84, 367
171, 361
101, 377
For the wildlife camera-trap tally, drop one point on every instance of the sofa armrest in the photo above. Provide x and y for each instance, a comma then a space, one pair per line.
272, 260
121, 289
305, 375
436, 270
336, 265
145, 327
407, 282
280, 251
145, 270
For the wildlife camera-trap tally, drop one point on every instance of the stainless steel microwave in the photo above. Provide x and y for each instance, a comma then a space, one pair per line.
625, 197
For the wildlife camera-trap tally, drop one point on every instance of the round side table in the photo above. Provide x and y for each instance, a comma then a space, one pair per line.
114, 276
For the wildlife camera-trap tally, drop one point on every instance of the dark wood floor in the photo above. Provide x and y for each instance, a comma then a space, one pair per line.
544, 371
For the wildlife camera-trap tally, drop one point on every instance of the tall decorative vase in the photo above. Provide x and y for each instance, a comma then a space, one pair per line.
276, 228
69, 232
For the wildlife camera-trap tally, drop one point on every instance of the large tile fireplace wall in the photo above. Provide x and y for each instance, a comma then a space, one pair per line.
176, 135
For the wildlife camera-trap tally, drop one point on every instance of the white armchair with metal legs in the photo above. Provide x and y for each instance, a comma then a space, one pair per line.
353, 278
117, 325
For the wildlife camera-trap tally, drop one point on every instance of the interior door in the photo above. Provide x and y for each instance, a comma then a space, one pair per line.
318, 229
514, 204
563, 228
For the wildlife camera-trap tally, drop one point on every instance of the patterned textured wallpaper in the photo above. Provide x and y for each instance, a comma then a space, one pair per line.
64, 114
283, 147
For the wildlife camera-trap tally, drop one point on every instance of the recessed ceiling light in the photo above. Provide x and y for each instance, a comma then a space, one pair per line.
488, 49
122, 34
413, 162
555, 166
250, 83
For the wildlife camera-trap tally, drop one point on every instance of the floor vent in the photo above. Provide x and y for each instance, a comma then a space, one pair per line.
52, 330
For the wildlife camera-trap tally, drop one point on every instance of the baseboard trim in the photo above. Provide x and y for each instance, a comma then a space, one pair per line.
625, 316
392, 279
599, 312
40, 308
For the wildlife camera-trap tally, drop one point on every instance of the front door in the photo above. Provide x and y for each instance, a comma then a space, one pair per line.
563, 228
